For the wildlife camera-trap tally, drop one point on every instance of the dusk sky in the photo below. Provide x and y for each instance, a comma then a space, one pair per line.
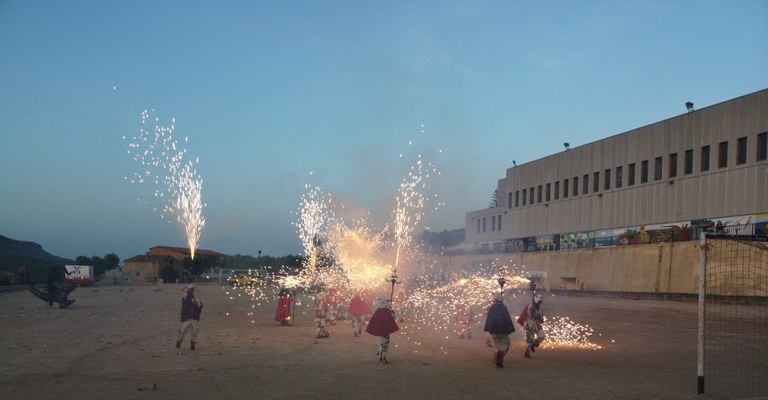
339, 94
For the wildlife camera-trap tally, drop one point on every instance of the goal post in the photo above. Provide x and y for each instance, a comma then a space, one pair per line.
732, 340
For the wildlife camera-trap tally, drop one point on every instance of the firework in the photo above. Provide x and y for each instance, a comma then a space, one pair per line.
177, 186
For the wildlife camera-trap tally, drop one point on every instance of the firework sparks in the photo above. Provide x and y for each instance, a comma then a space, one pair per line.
177, 185
315, 215
562, 331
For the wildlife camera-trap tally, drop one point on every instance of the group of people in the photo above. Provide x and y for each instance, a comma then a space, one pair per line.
499, 326
382, 323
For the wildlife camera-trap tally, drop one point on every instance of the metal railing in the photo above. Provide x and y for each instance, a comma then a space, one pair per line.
587, 240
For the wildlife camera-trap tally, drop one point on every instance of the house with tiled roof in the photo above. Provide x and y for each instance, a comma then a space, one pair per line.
150, 267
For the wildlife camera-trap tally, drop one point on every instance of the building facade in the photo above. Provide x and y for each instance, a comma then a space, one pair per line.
705, 167
149, 267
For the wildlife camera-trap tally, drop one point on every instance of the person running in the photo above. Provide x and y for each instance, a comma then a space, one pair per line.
465, 317
382, 324
321, 313
357, 309
283, 312
532, 319
499, 325
191, 308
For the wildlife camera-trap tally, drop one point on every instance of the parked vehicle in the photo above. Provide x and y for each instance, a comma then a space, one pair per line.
244, 280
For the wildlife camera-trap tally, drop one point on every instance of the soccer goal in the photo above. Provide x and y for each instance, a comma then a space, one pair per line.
733, 316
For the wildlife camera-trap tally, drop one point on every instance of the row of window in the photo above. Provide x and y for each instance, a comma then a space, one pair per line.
482, 223
576, 185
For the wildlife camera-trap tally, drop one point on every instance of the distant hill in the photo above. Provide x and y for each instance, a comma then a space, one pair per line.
15, 254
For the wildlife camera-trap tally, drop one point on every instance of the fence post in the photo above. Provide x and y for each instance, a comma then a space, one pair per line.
702, 293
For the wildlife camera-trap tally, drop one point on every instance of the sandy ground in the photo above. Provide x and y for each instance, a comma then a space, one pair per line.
117, 342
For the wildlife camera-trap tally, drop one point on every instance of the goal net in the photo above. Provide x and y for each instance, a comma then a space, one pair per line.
733, 316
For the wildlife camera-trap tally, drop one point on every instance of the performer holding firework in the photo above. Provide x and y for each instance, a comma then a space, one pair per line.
532, 319
382, 324
499, 325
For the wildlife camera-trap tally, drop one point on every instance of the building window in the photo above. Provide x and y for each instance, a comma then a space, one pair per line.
596, 182
484, 224
478, 225
498, 222
531, 202
705, 158
525, 195
538, 194
565, 188
644, 171
557, 190
493, 223
741, 151
549, 187
631, 174
673, 165
575, 185
509, 200
657, 168
762, 146
722, 155
607, 178
688, 162
585, 189
517, 198
619, 171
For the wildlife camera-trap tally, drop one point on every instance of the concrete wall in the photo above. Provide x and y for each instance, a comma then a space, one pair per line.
664, 268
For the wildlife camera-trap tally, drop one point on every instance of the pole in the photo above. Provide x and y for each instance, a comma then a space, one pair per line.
701, 309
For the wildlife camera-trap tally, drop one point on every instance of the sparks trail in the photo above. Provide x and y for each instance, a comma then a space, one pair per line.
177, 185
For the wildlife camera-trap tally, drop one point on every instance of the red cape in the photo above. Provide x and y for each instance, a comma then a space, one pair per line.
358, 306
382, 323
523, 315
283, 312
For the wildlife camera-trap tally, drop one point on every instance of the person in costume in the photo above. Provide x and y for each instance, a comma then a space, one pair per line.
465, 316
532, 320
358, 307
332, 299
499, 325
382, 324
283, 312
321, 312
191, 308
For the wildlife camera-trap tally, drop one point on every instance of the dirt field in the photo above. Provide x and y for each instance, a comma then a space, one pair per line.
117, 342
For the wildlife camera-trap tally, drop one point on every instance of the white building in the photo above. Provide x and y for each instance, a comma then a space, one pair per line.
649, 184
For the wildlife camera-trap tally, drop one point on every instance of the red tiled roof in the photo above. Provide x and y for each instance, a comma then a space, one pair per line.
185, 250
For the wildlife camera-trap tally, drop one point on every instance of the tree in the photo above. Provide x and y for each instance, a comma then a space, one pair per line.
494, 199
100, 264
112, 261
83, 260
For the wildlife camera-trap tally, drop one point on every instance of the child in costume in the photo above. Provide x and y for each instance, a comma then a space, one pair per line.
321, 312
465, 316
382, 324
332, 299
499, 325
283, 312
358, 307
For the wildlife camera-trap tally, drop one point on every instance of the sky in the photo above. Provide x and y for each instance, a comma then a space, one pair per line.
270, 97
